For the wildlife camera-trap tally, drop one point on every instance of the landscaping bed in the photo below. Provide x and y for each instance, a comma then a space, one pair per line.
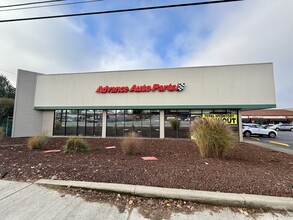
245, 169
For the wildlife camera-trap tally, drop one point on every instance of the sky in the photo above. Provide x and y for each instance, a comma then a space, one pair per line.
250, 31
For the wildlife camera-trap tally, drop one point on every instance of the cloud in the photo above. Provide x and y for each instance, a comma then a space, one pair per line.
251, 32
118, 45
232, 33
93, 43
40, 46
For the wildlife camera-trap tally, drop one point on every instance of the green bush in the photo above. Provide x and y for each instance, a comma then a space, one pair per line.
6, 107
213, 137
175, 124
75, 144
130, 144
37, 142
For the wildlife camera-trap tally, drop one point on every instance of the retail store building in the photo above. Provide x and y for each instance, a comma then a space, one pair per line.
154, 103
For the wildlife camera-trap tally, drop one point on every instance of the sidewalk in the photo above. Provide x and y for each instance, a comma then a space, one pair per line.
20, 200
271, 147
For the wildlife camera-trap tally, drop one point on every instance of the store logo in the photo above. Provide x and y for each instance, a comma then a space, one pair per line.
144, 88
181, 86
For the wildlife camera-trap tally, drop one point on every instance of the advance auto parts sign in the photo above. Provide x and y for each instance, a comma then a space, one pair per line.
228, 118
144, 88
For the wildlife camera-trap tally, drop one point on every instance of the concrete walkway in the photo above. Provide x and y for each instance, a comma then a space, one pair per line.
20, 200
271, 147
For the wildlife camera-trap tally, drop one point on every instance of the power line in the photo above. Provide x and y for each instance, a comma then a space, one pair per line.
119, 11
2, 70
51, 5
31, 3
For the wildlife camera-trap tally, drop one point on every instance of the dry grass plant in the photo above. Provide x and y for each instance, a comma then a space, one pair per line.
75, 144
37, 142
58, 124
175, 124
212, 136
130, 144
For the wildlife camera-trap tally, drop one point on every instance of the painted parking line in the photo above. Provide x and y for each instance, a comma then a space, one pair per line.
254, 138
279, 143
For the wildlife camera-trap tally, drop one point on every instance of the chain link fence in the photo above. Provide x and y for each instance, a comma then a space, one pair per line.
6, 126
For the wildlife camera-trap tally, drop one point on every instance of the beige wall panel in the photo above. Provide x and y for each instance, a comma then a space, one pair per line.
220, 85
48, 118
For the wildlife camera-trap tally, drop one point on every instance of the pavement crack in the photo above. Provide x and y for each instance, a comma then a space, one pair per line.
130, 210
16, 191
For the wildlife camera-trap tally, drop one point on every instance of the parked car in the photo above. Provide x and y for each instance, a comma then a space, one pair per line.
268, 125
91, 119
283, 127
256, 129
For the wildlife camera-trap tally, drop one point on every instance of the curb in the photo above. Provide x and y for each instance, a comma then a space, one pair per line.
205, 197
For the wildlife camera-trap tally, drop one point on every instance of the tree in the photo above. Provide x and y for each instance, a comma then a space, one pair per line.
6, 89
7, 94
6, 107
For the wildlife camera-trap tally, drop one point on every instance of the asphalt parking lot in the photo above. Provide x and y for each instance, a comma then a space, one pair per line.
284, 139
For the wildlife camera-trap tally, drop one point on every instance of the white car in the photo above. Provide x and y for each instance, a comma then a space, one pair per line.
283, 127
256, 129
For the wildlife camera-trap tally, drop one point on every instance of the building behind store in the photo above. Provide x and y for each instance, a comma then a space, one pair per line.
157, 103
268, 116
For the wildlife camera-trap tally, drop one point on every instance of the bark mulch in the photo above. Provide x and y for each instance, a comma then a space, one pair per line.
245, 169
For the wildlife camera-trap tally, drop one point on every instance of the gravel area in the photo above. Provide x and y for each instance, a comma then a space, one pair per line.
245, 169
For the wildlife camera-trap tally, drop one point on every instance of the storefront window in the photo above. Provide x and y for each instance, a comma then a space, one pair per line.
89, 120
146, 123
128, 122
184, 118
207, 111
155, 123
59, 123
137, 122
120, 123
111, 123
71, 122
78, 122
98, 122
81, 122
177, 123
195, 114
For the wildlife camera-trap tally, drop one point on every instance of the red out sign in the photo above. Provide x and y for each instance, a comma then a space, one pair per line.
144, 88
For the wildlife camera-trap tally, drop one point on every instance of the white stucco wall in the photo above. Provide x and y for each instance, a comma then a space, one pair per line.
205, 86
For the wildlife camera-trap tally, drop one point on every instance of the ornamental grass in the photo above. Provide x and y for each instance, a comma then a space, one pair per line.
212, 136
130, 144
175, 124
75, 144
37, 142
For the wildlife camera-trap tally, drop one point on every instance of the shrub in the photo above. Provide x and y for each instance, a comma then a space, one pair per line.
38, 141
130, 144
175, 124
212, 136
75, 144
